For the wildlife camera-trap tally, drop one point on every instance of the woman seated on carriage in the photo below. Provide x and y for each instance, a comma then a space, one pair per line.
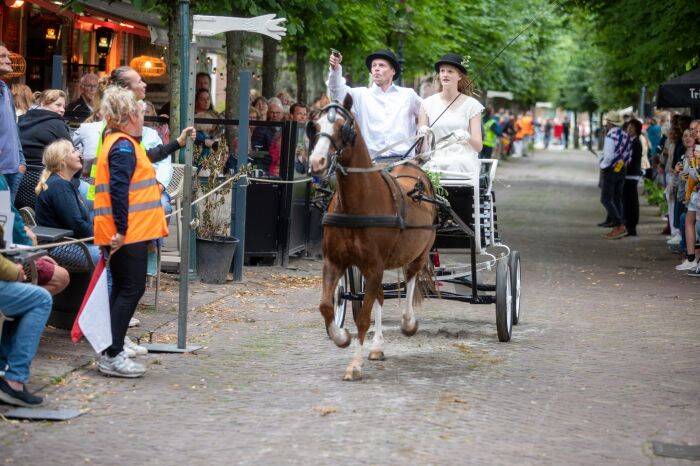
454, 115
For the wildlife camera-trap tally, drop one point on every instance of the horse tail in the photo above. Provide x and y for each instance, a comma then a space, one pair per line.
425, 283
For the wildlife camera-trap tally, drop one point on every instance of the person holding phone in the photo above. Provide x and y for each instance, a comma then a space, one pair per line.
386, 113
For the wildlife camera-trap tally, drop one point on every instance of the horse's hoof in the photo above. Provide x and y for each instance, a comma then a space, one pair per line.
353, 376
376, 355
344, 339
339, 336
408, 329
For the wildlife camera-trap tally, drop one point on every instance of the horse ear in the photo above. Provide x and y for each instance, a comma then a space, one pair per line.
347, 102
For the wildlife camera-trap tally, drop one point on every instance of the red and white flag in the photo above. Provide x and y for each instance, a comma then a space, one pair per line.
93, 319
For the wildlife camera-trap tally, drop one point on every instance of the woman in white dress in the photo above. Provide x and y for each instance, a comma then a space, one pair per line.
461, 121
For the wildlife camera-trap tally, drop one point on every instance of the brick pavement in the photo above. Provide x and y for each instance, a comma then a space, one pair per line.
604, 360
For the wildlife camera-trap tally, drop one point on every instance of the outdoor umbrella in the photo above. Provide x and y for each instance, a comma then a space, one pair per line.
682, 91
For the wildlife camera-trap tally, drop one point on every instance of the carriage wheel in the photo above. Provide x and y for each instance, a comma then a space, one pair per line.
350, 281
356, 286
504, 300
514, 266
339, 302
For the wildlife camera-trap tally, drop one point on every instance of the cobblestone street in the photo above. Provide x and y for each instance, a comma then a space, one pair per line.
605, 359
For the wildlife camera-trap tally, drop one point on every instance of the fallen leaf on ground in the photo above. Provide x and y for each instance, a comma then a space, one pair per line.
326, 410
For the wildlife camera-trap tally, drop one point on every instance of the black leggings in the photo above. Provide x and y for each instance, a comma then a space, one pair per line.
128, 266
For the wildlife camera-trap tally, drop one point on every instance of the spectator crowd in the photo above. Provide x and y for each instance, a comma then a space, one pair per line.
53, 166
666, 153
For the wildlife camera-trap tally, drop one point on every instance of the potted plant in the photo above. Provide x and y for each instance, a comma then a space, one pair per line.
215, 245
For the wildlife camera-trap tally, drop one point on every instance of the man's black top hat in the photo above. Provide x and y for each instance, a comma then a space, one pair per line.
453, 59
387, 55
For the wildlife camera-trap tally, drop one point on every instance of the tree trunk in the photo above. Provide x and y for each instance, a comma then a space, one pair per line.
601, 132
175, 67
302, 93
235, 62
269, 67
576, 144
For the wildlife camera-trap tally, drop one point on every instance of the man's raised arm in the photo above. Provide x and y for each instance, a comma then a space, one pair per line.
337, 89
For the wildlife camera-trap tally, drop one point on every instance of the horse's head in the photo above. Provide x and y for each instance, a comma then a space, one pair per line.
329, 134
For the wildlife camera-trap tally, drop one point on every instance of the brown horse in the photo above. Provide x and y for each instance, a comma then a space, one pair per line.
372, 223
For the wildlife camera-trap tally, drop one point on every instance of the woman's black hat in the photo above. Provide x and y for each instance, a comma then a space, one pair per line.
453, 59
387, 55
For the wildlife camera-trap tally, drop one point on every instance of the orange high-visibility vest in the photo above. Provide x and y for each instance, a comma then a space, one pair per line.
146, 220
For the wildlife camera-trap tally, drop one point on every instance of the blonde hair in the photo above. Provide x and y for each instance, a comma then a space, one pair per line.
49, 96
464, 85
24, 98
54, 160
117, 105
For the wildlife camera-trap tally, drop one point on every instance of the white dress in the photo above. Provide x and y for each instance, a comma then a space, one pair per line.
459, 157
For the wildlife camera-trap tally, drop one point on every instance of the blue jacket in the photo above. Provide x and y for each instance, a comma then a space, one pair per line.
61, 206
10, 164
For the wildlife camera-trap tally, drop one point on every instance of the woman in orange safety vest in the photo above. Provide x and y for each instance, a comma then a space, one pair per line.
128, 214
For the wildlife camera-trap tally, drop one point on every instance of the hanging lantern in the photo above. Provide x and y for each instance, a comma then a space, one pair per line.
103, 43
148, 67
19, 66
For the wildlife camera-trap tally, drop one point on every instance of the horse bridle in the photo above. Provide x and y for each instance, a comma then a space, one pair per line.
347, 133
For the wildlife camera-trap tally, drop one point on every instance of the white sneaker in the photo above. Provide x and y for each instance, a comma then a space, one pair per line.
676, 239
128, 352
134, 322
137, 349
120, 366
687, 265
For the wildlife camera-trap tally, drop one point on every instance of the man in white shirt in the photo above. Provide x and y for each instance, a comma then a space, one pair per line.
386, 113
612, 163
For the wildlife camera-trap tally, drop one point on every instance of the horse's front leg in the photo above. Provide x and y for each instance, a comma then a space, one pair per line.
373, 293
376, 353
409, 324
331, 275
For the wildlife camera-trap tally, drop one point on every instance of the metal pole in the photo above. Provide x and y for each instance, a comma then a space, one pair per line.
188, 56
185, 117
238, 211
642, 101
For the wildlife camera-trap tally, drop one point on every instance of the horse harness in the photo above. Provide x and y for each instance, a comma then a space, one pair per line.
348, 135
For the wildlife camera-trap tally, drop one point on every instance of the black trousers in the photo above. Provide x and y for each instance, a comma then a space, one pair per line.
128, 265
486, 152
630, 205
611, 195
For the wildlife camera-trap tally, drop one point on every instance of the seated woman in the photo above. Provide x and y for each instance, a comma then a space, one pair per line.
453, 113
59, 203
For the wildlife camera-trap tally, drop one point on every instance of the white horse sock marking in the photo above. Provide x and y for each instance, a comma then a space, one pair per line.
378, 340
409, 317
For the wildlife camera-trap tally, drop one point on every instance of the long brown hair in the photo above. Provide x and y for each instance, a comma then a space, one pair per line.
24, 98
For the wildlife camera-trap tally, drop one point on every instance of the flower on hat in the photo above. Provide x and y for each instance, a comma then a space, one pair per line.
465, 62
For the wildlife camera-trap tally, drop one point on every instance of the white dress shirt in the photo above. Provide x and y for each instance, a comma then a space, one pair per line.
164, 168
383, 117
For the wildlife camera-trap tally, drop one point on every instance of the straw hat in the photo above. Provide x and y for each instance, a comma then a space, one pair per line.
613, 117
